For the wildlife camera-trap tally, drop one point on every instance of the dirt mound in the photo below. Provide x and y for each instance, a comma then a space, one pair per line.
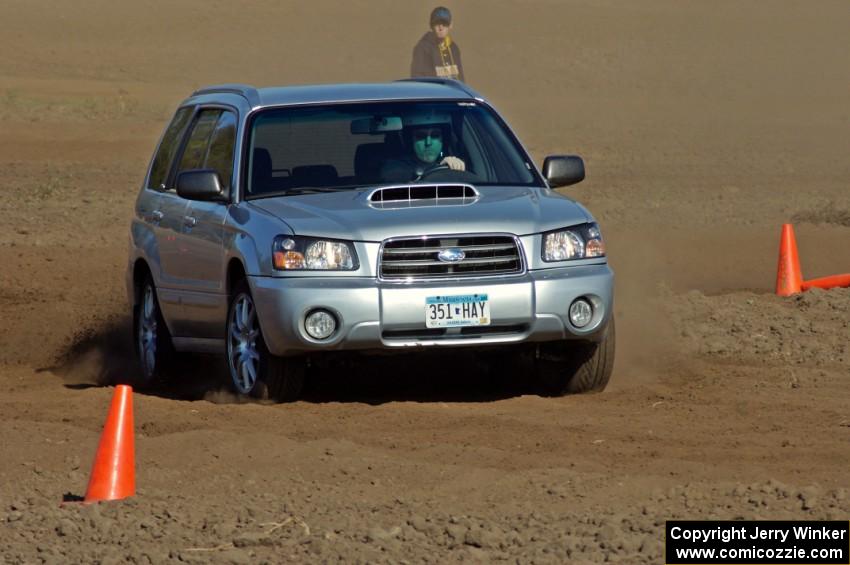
829, 214
808, 330
726, 402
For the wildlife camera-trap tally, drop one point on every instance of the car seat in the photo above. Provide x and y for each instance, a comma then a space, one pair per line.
261, 171
370, 157
314, 175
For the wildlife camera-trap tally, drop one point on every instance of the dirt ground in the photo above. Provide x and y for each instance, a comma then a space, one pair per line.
704, 127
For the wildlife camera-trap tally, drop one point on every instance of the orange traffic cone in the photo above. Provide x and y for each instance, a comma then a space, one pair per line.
789, 278
113, 474
827, 283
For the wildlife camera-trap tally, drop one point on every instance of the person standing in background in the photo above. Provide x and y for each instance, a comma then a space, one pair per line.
436, 55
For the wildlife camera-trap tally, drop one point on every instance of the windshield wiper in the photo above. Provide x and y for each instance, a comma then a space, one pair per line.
309, 189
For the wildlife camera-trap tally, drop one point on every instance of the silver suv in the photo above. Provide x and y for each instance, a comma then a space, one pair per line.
279, 225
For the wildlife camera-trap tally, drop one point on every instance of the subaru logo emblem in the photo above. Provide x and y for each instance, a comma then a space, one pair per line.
451, 255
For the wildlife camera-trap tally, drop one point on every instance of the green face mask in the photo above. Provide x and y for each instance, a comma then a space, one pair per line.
428, 144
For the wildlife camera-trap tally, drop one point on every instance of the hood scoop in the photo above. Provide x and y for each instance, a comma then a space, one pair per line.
420, 195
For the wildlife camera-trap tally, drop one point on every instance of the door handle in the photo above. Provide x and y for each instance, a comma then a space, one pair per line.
189, 221
157, 216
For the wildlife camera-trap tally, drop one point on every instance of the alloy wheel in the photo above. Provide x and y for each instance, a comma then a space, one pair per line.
243, 356
147, 334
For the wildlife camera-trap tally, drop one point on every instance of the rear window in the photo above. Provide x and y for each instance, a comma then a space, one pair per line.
167, 148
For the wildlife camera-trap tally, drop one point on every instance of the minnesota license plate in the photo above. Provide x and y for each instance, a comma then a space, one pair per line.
457, 311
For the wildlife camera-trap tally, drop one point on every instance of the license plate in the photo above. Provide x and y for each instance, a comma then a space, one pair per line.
457, 311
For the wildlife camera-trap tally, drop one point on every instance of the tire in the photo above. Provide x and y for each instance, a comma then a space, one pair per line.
577, 367
253, 370
151, 337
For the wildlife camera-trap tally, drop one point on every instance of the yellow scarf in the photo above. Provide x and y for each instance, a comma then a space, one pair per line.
448, 69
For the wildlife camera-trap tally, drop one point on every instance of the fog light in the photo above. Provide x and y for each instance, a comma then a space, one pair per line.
320, 324
581, 312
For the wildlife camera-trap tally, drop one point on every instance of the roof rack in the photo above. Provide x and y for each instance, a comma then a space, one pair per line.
444, 81
246, 91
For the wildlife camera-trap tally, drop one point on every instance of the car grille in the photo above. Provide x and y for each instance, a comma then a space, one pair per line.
419, 257
443, 333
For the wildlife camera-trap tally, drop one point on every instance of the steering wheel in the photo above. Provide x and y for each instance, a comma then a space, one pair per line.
432, 169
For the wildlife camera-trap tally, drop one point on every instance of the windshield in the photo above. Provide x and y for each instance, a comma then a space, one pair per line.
347, 146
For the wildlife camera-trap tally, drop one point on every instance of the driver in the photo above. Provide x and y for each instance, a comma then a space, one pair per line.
425, 145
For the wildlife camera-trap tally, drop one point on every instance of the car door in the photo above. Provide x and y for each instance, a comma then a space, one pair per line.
201, 242
161, 211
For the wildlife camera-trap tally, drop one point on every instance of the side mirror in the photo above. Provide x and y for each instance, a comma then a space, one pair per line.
563, 170
200, 184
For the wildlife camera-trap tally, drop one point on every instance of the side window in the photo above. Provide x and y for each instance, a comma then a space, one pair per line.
167, 148
220, 151
196, 147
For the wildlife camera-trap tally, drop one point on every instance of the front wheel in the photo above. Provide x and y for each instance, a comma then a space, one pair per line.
254, 371
576, 367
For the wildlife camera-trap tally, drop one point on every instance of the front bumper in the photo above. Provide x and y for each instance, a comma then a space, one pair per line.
372, 314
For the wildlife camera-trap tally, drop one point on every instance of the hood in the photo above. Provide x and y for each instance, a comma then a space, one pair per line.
429, 37
349, 215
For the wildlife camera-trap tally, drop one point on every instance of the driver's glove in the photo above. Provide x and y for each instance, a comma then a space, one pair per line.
454, 163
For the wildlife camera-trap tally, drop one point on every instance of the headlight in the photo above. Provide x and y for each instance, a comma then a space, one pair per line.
292, 253
579, 242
